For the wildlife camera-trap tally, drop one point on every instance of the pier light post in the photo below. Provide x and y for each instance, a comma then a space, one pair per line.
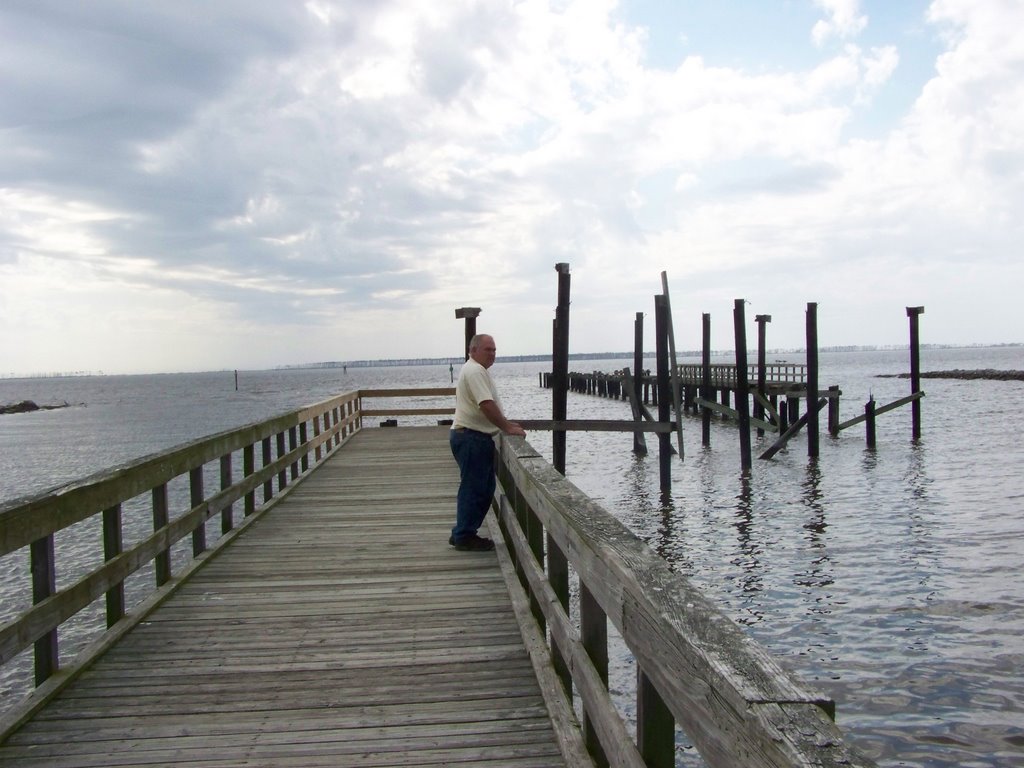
470, 314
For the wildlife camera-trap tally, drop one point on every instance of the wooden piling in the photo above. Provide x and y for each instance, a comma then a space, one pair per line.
470, 315
742, 385
639, 444
869, 423
560, 366
833, 410
915, 367
812, 379
676, 402
761, 321
664, 396
706, 393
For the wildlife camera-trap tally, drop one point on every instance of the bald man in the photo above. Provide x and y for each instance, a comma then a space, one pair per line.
478, 418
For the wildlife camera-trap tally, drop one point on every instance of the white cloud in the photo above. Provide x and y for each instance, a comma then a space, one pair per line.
844, 20
342, 163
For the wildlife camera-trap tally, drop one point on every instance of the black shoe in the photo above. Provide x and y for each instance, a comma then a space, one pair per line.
474, 543
451, 540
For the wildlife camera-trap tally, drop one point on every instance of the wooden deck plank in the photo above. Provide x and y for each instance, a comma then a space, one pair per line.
341, 629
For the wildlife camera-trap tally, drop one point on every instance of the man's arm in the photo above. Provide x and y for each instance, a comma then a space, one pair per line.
494, 415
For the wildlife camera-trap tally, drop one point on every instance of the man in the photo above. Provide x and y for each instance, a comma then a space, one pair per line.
478, 417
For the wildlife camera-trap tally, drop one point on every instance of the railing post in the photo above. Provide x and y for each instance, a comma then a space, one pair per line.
594, 637
162, 561
44, 584
535, 536
292, 445
268, 484
282, 476
558, 578
196, 496
303, 439
113, 545
226, 515
248, 468
655, 726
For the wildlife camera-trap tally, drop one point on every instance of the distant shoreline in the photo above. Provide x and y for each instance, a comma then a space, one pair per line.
624, 355
396, 362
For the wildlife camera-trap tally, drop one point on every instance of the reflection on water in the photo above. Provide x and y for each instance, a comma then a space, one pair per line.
890, 579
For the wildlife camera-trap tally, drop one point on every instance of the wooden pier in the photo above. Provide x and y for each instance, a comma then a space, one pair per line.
334, 625
776, 398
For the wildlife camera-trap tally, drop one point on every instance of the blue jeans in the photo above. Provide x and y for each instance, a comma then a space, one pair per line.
474, 453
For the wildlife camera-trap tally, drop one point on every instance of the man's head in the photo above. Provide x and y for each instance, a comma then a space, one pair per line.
482, 349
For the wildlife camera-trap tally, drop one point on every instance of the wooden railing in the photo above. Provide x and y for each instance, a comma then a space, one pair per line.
725, 375
695, 666
274, 454
422, 393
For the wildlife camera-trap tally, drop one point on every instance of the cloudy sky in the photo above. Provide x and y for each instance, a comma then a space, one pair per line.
197, 185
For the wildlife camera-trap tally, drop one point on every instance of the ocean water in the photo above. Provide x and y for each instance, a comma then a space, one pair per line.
888, 579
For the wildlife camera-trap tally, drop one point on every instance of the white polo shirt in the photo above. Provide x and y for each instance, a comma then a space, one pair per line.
474, 387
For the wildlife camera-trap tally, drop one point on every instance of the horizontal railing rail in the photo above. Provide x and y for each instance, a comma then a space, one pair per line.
274, 455
428, 393
724, 375
695, 667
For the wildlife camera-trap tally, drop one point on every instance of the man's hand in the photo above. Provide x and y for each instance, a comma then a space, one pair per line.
494, 415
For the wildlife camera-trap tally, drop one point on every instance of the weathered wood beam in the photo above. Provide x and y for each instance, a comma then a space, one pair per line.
881, 409
597, 425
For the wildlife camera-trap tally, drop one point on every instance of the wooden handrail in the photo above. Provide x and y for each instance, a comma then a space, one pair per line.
303, 438
426, 392
733, 700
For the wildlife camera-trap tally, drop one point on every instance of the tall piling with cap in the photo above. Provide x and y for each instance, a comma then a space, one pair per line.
560, 366
742, 383
469, 314
761, 321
